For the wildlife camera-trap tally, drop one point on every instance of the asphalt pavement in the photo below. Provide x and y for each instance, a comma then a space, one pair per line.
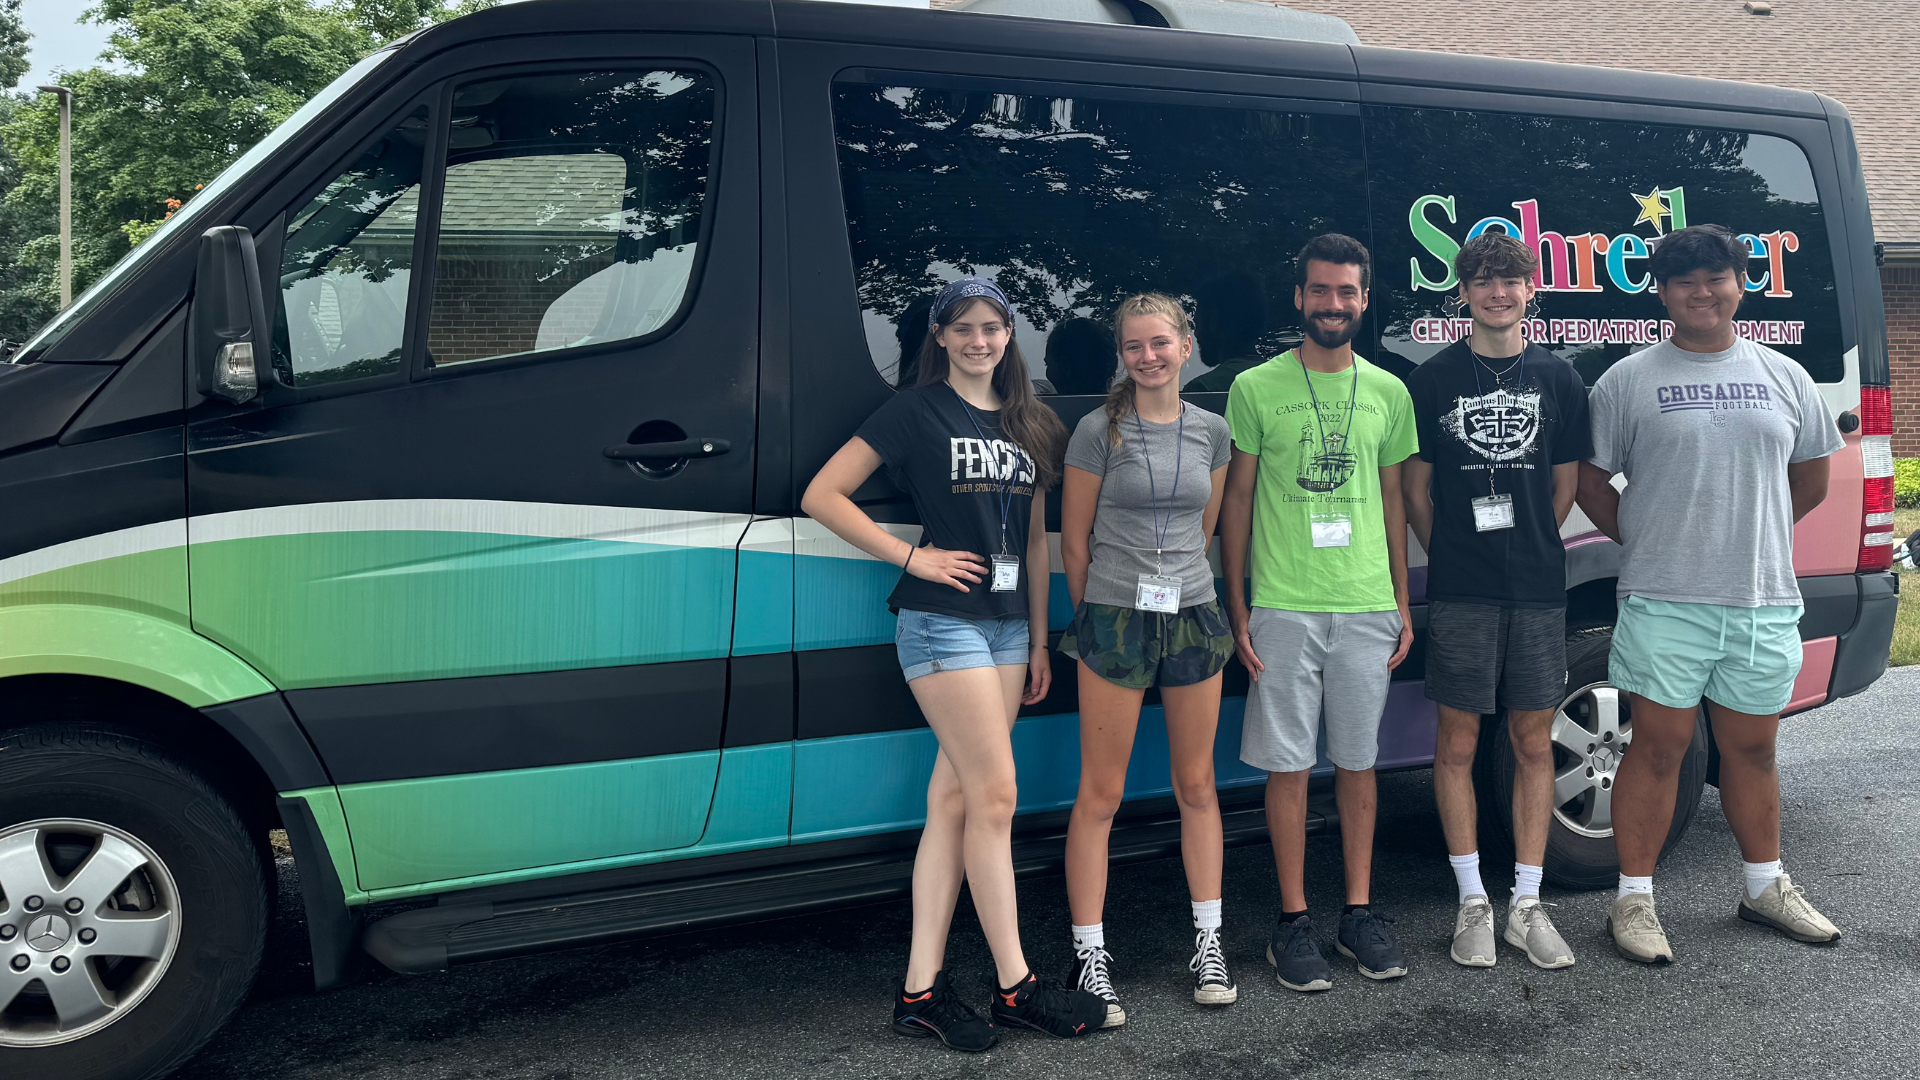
808, 996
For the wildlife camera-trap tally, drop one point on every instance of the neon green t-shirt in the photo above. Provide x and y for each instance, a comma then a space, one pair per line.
1315, 475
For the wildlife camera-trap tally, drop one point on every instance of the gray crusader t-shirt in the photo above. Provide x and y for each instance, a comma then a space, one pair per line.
1704, 440
1123, 532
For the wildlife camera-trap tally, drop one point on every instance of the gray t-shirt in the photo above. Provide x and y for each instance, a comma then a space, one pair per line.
1704, 440
1123, 521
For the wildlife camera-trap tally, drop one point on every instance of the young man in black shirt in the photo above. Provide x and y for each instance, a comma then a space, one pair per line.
1503, 429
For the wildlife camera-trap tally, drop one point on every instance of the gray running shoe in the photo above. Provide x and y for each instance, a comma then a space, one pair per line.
1784, 907
1636, 930
1296, 959
1473, 934
1529, 928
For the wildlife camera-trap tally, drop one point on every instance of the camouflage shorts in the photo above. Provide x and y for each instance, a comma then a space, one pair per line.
1139, 649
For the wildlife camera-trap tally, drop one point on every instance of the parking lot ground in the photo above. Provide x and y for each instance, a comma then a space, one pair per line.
808, 996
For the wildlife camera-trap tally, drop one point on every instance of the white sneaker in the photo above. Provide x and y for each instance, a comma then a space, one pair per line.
1473, 934
1784, 907
1636, 930
1529, 929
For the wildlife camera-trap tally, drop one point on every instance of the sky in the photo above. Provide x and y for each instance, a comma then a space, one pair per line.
59, 40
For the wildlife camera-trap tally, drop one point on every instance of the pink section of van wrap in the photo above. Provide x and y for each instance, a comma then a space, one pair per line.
1827, 541
1816, 673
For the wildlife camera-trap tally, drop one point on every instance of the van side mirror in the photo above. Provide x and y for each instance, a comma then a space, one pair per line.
229, 315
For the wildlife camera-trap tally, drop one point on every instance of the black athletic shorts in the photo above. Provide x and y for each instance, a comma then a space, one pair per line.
1482, 658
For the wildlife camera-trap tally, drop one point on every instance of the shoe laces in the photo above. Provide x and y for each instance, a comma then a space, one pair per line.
1640, 917
946, 1008
1093, 971
1372, 929
1299, 939
1794, 899
1480, 914
1209, 964
1049, 995
1535, 914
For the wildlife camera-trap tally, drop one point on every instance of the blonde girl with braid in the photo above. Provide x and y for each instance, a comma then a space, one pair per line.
1141, 490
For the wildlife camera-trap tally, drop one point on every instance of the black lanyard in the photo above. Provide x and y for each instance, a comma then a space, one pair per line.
1353, 398
1179, 450
1006, 483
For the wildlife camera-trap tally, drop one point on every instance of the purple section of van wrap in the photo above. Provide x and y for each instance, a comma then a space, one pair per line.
1416, 584
1408, 727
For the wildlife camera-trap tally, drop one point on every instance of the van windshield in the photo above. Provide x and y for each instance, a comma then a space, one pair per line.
188, 216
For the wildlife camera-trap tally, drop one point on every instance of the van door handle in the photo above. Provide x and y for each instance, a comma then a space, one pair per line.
669, 451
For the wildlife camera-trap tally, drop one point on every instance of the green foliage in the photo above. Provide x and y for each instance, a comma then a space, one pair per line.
1906, 483
13, 45
202, 81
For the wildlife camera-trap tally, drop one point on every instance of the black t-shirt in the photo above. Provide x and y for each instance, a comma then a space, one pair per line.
952, 460
1514, 430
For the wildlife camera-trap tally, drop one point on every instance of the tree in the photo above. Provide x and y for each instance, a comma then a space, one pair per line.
203, 80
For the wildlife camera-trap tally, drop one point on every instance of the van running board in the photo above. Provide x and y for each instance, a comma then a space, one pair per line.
458, 931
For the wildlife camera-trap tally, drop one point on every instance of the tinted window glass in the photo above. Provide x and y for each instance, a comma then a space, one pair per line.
571, 214
346, 265
1074, 202
1590, 196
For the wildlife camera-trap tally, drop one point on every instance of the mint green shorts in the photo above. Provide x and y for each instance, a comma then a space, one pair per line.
1675, 654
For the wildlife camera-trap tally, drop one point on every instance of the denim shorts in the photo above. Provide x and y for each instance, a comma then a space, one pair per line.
930, 642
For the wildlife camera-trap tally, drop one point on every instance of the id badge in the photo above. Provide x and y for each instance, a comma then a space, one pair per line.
1332, 530
1157, 593
1492, 512
1006, 573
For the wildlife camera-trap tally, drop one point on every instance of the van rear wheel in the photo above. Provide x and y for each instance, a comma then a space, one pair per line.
132, 906
1592, 731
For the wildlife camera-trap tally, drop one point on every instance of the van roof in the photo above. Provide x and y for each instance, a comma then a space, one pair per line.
1089, 41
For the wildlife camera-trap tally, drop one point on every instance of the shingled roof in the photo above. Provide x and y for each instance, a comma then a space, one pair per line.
1858, 53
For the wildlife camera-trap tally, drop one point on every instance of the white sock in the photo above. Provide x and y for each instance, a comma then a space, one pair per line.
1526, 881
1089, 937
1466, 874
1206, 914
1759, 876
1635, 885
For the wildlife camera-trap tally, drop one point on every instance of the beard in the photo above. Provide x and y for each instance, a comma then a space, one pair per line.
1332, 337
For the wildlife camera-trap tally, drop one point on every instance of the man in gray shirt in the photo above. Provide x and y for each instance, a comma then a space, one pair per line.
1724, 444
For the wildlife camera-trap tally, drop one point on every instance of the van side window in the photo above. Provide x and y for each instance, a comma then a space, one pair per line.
1074, 202
347, 262
1593, 197
571, 211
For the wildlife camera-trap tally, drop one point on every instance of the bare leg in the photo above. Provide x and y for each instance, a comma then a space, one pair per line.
1193, 715
971, 712
1749, 783
938, 870
1359, 801
1530, 733
1109, 715
1287, 828
1648, 781
1453, 779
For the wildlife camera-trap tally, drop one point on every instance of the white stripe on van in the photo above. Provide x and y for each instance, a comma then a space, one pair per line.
135, 541
812, 538
559, 521
1845, 394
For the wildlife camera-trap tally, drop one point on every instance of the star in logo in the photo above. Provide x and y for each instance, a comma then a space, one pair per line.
1653, 207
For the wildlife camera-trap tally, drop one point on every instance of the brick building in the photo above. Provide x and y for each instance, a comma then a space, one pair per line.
1851, 51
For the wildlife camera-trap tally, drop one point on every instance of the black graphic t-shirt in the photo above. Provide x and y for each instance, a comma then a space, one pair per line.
1509, 431
960, 471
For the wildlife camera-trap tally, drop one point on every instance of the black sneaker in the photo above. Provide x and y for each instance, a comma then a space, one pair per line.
1296, 959
1212, 982
1090, 974
1046, 1005
938, 1013
1365, 939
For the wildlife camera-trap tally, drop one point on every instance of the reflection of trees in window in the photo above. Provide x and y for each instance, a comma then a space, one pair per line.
1585, 174
1076, 202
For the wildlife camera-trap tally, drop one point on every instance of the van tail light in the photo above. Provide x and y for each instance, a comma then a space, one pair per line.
1876, 455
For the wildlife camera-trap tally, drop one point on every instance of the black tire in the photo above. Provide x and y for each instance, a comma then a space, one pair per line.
131, 784
1574, 860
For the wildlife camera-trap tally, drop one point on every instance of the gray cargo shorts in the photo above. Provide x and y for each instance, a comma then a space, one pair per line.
1330, 664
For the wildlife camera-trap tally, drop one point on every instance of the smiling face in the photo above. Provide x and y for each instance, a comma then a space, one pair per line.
1497, 302
1153, 350
1702, 302
1331, 302
976, 339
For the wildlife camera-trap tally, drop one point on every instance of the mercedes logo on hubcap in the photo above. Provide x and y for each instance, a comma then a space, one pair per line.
48, 933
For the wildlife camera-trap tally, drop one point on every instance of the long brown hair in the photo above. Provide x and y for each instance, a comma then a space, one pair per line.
1031, 425
1120, 398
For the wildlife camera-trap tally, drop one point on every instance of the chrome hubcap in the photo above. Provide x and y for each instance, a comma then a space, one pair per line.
89, 921
1591, 732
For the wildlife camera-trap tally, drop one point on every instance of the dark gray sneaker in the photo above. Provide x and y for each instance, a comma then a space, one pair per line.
1365, 939
1295, 956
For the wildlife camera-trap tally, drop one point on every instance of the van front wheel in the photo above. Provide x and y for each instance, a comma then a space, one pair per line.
1592, 731
134, 910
